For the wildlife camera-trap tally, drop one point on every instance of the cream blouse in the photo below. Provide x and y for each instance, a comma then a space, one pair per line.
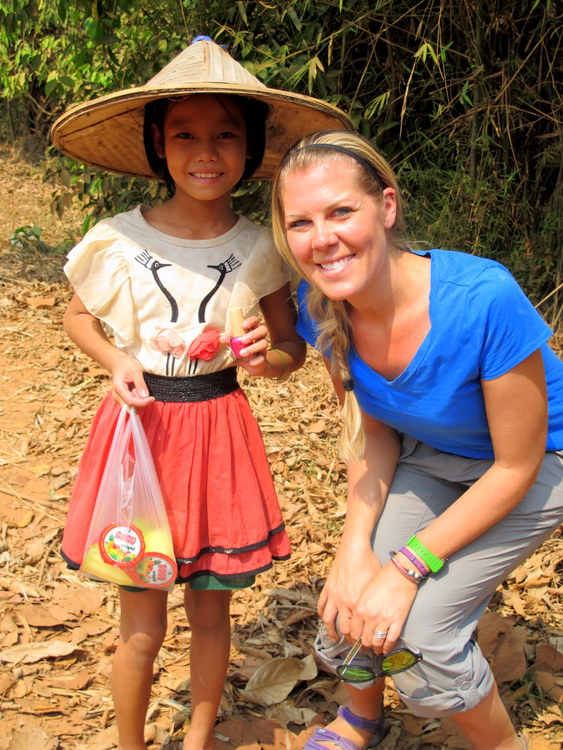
157, 294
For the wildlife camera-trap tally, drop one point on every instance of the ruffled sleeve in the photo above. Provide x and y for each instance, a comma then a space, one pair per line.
98, 271
264, 272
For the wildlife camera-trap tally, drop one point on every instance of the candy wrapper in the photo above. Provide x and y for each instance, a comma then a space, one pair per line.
129, 540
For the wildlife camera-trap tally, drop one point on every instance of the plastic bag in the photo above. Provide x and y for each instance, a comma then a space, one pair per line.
129, 540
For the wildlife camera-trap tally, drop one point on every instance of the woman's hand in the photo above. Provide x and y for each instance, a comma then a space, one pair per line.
353, 569
383, 605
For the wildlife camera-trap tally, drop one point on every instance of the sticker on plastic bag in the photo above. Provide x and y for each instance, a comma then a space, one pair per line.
121, 544
156, 569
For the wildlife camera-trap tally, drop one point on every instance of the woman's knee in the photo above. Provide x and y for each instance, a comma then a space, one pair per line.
443, 684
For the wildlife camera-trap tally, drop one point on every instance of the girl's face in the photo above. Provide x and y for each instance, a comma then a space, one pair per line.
336, 231
203, 140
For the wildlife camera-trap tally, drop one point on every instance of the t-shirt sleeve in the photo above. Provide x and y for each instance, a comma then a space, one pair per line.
272, 270
98, 273
512, 328
264, 272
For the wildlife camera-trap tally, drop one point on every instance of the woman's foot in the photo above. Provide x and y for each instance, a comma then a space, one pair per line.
348, 732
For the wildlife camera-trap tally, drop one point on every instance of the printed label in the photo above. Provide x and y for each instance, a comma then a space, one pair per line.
121, 544
156, 569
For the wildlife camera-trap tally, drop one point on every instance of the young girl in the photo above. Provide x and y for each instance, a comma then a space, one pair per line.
163, 280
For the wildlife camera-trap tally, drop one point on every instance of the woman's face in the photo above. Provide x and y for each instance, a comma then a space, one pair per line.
336, 231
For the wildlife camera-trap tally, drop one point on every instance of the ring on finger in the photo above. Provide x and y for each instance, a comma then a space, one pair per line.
380, 634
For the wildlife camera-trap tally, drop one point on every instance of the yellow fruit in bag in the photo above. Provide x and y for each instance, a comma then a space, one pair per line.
132, 555
94, 566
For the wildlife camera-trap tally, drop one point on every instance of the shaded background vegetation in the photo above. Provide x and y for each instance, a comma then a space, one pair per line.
463, 96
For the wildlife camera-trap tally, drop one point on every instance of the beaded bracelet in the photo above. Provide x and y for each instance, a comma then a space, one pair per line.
284, 364
434, 563
412, 575
416, 562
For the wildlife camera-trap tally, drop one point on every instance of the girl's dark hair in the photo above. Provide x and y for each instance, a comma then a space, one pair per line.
254, 113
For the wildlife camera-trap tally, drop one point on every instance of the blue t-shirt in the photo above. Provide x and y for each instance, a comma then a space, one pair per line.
482, 325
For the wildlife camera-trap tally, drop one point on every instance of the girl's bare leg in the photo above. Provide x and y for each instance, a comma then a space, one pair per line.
488, 726
208, 614
142, 630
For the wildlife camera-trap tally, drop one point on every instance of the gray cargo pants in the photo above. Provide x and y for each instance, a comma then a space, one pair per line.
453, 676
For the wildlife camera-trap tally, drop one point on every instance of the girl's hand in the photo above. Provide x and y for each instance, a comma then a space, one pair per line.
353, 569
253, 356
383, 605
128, 384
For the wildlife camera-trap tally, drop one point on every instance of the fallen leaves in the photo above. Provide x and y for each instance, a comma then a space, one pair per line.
273, 682
31, 652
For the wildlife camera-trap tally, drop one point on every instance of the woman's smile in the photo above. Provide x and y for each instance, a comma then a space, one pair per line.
336, 265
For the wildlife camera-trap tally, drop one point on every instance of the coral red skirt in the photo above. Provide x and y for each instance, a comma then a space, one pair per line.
215, 480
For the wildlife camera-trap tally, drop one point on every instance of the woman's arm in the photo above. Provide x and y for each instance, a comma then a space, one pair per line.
88, 333
288, 350
516, 405
354, 563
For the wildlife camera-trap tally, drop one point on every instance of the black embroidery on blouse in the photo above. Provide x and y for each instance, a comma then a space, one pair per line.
224, 268
154, 266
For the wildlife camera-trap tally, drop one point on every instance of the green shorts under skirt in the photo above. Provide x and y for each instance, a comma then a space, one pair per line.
209, 582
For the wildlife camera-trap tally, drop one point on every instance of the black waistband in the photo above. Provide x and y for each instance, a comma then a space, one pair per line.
195, 388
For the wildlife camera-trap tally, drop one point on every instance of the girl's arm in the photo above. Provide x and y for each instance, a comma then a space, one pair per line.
88, 333
288, 350
516, 405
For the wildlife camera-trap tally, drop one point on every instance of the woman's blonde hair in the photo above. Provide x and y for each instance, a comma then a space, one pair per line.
334, 332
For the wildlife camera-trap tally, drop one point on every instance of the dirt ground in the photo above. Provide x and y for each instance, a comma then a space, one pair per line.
58, 630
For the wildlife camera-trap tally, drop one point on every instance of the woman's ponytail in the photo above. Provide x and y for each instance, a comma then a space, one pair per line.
334, 334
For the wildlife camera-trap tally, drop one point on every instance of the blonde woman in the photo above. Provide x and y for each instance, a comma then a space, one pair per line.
453, 432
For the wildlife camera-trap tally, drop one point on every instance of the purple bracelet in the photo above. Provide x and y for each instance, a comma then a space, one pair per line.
412, 575
414, 559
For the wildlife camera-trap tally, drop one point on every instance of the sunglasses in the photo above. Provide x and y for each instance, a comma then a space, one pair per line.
385, 664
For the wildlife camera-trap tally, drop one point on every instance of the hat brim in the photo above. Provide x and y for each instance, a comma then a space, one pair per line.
107, 132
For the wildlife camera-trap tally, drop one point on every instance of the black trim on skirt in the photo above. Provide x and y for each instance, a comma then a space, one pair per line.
194, 388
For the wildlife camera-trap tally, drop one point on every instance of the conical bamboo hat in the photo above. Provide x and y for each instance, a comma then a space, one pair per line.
108, 132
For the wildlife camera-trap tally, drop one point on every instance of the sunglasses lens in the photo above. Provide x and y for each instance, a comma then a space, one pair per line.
354, 674
398, 661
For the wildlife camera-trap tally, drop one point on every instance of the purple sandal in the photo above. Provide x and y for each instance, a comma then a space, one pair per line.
322, 735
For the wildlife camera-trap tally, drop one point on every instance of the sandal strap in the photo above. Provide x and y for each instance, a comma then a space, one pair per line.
358, 722
322, 735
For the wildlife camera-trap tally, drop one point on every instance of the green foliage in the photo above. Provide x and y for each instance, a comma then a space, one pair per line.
464, 98
27, 238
